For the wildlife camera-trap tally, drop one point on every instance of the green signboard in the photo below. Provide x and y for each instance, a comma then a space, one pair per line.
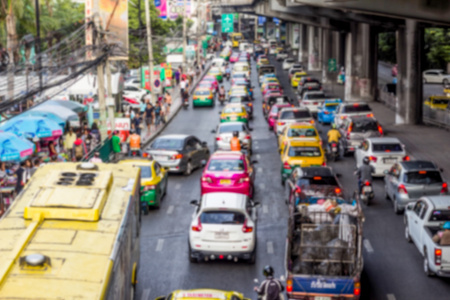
227, 23
332, 67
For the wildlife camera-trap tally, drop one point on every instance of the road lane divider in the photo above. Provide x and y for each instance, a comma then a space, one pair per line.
270, 248
368, 246
159, 245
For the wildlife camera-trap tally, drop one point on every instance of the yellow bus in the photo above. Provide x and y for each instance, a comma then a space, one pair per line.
236, 38
72, 233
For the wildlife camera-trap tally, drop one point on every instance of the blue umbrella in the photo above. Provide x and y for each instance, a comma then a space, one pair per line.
45, 114
31, 127
14, 148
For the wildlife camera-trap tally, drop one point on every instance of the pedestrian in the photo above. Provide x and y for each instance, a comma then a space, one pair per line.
157, 114
191, 76
149, 115
115, 141
36, 165
177, 76
79, 149
136, 123
168, 101
69, 139
23, 174
51, 149
96, 158
96, 137
183, 86
142, 106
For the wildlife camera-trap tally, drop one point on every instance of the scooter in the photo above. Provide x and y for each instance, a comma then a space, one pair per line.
227, 76
221, 99
333, 151
186, 103
366, 193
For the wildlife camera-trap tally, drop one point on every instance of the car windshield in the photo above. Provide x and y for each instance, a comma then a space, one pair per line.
301, 132
356, 108
222, 217
295, 114
231, 127
387, 148
233, 109
202, 93
146, 172
295, 151
440, 101
219, 165
315, 96
440, 216
167, 144
240, 68
364, 126
423, 177
239, 75
317, 180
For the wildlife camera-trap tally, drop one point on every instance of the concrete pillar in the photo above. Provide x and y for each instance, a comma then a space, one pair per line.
409, 78
302, 47
349, 53
319, 47
326, 54
313, 52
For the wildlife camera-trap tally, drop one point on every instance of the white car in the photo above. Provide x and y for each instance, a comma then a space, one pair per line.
292, 115
312, 100
219, 63
223, 227
210, 56
132, 92
281, 55
288, 63
133, 82
383, 152
241, 67
436, 76
350, 109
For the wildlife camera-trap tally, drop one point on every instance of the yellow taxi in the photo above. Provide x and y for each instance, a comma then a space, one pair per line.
267, 81
234, 112
306, 131
278, 50
203, 97
154, 180
296, 78
216, 72
437, 102
262, 62
301, 153
203, 294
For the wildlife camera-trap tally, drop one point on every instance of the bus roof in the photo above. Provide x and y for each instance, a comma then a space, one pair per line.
58, 239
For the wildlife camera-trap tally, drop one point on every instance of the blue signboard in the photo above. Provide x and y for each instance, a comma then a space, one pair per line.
261, 21
276, 21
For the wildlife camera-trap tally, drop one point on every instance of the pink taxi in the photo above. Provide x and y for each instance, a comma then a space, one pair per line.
228, 171
234, 57
272, 88
273, 114
207, 85
213, 80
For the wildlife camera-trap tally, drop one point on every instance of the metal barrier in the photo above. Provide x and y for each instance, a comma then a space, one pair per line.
386, 95
437, 117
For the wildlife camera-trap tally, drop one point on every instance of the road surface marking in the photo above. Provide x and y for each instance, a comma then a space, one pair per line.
145, 294
259, 170
170, 210
390, 296
177, 186
265, 209
159, 245
258, 156
368, 246
270, 247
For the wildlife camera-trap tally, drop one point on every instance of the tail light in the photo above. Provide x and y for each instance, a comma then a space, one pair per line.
406, 158
367, 183
281, 123
370, 115
312, 121
148, 188
245, 228
250, 104
337, 190
286, 166
245, 179
218, 138
357, 288
207, 179
333, 145
402, 189
437, 256
177, 156
324, 164
348, 135
444, 189
315, 103
343, 117
197, 227
248, 137
326, 112
380, 130
289, 285
373, 158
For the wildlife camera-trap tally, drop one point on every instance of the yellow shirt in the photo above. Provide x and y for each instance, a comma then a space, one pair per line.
69, 139
333, 135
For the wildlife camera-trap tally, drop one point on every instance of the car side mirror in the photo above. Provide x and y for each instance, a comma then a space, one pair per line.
254, 162
338, 175
194, 202
410, 206
213, 131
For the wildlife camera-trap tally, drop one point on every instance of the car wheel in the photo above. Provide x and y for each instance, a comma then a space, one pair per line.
188, 169
191, 258
397, 210
407, 236
252, 259
426, 264
386, 195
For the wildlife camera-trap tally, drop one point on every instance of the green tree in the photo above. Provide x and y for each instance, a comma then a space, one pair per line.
437, 47
387, 47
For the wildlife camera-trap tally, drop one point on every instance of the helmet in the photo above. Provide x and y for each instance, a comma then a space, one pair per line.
446, 225
235, 133
268, 271
366, 160
333, 126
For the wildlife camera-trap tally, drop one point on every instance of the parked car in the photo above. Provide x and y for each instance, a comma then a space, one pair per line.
130, 91
355, 129
423, 220
224, 133
436, 76
407, 181
223, 227
179, 153
136, 82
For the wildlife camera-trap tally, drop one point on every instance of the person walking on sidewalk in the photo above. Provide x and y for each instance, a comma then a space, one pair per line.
183, 86
177, 76
69, 139
149, 115
136, 123
115, 141
157, 114
79, 149
168, 101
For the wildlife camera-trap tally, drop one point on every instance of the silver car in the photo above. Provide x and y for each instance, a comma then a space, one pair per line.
179, 153
407, 181
224, 133
349, 109
355, 129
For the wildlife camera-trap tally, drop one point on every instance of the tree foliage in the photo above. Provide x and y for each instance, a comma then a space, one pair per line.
387, 47
437, 47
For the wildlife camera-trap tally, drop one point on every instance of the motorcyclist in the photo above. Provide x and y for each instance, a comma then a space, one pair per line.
364, 173
185, 96
333, 136
134, 143
221, 93
235, 143
271, 288
227, 70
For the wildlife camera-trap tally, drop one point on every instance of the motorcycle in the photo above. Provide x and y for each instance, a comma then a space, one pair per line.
333, 151
222, 99
186, 103
366, 192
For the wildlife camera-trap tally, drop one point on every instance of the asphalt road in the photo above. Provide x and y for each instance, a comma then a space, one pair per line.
392, 267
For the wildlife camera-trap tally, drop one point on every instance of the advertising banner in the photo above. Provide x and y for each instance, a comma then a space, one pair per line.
161, 5
175, 8
261, 21
295, 36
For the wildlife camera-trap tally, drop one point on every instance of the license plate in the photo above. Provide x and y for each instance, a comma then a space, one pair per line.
367, 189
233, 118
160, 157
390, 160
222, 235
225, 181
322, 298
334, 149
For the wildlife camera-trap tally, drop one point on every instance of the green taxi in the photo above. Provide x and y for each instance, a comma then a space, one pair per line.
203, 97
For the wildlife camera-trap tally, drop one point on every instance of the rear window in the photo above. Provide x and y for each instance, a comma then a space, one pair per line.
146, 172
440, 101
231, 128
356, 108
231, 110
239, 75
315, 96
240, 68
423, 177
311, 84
302, 132
219, 165
387, 148
167, 144
222, 217
267, 70
317, 180
304, 151
440, 215
364, 126
202, 93
292, 114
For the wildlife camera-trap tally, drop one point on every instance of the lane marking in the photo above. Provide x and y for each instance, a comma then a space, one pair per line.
262, 186
258, 156
269, 247
265, 208
368, 246
170, 209
390, 296
159, 245
145, 294
259, 170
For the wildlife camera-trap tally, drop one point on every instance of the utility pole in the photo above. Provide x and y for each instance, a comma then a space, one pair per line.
38, 44
184, 34
239, 22
256, 28
110, 100
199, 37
150, 51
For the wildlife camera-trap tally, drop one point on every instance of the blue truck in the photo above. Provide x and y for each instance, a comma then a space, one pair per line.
324, 251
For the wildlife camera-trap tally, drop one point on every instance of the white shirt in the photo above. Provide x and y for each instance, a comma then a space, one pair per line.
182, 84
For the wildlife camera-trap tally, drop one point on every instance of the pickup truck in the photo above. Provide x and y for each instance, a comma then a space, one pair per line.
423, 220
324, 251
